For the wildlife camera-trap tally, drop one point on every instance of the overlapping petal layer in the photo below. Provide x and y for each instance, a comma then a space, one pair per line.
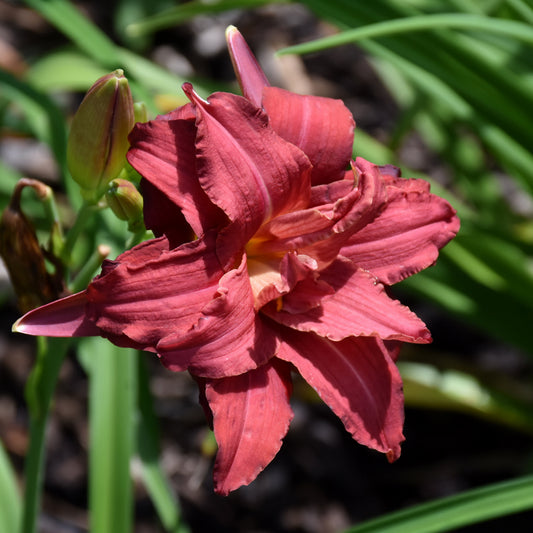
247, 170
406, 237
359, 306
320, 231
273, 278
162, 217
146, 299
163, 151
228, 338
321, 127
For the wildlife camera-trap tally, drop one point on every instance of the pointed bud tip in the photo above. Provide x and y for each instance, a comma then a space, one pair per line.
26, 329
17, 327
249, 74
21, 326
231, 31
192, 95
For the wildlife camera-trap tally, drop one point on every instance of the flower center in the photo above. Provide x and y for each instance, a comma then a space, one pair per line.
264, 273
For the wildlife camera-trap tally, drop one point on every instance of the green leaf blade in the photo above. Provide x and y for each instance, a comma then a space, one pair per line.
445, 514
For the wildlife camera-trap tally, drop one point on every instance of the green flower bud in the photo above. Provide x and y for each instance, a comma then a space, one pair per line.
126, 202
98, 140
141, 113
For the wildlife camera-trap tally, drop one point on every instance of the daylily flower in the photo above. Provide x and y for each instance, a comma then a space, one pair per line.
292, 246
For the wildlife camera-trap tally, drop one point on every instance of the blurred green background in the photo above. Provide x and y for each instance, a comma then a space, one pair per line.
442, 88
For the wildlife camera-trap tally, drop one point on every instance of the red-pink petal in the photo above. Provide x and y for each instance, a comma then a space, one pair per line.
163, 152
62, 318
148, 293
359, 307
340, 209
322, 127
358, 380
251, 173
301, 271
228, 339
251, 415
406, 237
251, 77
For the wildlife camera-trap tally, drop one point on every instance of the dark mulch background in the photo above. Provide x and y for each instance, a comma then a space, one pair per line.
321, 481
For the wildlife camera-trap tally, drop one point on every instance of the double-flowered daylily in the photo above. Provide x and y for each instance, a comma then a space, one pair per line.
272, 254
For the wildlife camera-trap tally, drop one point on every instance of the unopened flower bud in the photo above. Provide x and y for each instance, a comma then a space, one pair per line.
98, 139
126, 202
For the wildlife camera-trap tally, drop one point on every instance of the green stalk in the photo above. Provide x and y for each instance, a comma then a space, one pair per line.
89, 269
39, 390
138, 237
53, 218
86, 211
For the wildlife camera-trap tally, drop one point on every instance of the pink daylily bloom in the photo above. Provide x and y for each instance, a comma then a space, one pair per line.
273, 253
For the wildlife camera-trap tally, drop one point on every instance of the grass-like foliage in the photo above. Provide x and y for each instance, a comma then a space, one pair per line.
460, 73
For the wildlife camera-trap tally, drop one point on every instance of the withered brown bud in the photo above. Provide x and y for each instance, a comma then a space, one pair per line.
23, 256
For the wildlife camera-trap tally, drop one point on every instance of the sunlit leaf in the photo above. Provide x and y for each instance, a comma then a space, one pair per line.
10, 503
459, 510
431, 388
41, 113
112, 393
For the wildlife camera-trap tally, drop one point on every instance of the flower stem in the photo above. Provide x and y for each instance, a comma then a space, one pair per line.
138, 237
89, 269
52, 216
87, 209
39, 390
34, 476
46, 196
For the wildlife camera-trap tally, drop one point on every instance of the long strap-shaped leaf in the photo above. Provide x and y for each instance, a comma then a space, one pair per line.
148, 449
10, 503
514, 29
65, 17
112, 374
466, 508
497, 110
186, 11
42, 114
147, 76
